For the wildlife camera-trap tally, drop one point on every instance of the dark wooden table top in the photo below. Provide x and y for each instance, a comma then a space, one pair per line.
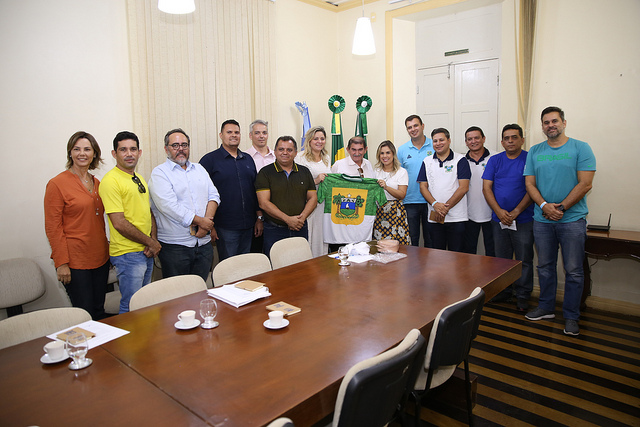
106, 393
242, 374
631, 236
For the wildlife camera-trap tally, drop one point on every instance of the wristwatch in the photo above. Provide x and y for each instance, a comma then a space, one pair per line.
561, 208
261, 218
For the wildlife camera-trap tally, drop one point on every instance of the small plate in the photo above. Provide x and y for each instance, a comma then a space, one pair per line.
47, 360
267, 324
179, 325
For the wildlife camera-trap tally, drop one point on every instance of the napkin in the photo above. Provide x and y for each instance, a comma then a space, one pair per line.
237, 297
361, 248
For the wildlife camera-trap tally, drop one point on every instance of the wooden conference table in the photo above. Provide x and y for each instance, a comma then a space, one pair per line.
242, 374
608, 244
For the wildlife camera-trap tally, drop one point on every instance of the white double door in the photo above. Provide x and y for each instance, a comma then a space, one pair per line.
458, 96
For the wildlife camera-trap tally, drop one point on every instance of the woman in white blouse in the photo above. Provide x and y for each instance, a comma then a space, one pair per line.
316, 158
391, 218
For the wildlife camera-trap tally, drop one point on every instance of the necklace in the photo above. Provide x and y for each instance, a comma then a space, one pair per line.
88, 182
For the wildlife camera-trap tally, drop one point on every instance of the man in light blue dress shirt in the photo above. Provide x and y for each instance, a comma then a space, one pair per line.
184, 202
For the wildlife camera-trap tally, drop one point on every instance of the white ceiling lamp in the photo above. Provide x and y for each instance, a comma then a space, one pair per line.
177, 7
363, 42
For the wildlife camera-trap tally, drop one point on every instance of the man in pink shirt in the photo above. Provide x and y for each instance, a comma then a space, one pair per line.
260, 152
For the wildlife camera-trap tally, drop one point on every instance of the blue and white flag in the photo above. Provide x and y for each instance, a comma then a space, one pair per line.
306, 121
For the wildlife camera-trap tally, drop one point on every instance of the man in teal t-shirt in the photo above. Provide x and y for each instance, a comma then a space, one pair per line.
558, 174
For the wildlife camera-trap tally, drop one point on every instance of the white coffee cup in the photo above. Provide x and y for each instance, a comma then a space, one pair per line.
55, 350
275, 318
187, 317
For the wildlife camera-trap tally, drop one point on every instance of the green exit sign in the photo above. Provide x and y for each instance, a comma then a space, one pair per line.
456, 52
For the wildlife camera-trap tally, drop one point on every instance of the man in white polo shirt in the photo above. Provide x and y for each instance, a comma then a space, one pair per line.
477, 207
444, 182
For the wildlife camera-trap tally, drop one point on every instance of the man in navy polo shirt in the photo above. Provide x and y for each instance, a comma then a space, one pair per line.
411, 155
444, 182
233, 173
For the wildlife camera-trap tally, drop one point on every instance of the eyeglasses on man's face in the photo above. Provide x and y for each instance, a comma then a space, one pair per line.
182, 145
141, 188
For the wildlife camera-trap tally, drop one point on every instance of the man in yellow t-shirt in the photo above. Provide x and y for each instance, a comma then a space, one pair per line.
133, 238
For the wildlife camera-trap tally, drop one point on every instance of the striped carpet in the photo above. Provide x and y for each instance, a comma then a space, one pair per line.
532, 374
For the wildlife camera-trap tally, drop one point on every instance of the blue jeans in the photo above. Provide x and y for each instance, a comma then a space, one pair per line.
571, 237
134, 271
417, 215
449, 235
273, 233
178, 260
233, 242
472, 233
520, 243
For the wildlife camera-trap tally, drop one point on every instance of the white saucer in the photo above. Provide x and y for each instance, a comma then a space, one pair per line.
47, 360
179, 325
284, 324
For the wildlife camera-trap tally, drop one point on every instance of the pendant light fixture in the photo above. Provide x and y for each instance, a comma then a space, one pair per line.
363, 42
177, 7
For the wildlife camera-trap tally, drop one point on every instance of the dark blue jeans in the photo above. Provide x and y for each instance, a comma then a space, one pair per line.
417, 215
449, 235
472, 233
178, 260
273, 233
571, 237
519, 243
88, 288
233, 242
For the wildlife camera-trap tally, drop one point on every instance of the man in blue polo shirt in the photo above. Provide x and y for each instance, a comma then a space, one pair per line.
444, 182
411, 155
512, 218
233, 173
558, 174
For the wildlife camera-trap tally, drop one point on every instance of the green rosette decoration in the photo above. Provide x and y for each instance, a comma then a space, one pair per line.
336, 105
363, 104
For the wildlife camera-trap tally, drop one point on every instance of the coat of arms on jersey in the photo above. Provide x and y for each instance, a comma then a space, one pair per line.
347, 205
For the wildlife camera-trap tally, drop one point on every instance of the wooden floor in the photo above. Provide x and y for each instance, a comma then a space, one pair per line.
531, 373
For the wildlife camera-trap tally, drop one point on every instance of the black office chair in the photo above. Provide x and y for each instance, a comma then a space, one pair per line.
455, 327
375, 391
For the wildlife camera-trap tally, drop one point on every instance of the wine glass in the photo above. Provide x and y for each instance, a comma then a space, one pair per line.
76, 346
208, 311
343, 255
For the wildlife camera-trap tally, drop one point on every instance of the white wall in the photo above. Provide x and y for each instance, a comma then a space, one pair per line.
307, 65
587, 61
65, 68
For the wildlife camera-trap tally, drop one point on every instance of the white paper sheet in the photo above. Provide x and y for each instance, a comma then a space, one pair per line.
104, 333
237, 297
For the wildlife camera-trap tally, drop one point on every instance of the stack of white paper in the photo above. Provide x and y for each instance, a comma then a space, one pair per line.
237, 297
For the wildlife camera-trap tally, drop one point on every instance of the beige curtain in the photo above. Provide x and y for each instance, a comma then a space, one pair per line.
525, 30
195, 71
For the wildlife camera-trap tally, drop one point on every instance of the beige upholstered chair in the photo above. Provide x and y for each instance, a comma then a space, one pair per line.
21, 281
374, 391
281, 422
166, 289
290, 251
35, 324
239, 267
